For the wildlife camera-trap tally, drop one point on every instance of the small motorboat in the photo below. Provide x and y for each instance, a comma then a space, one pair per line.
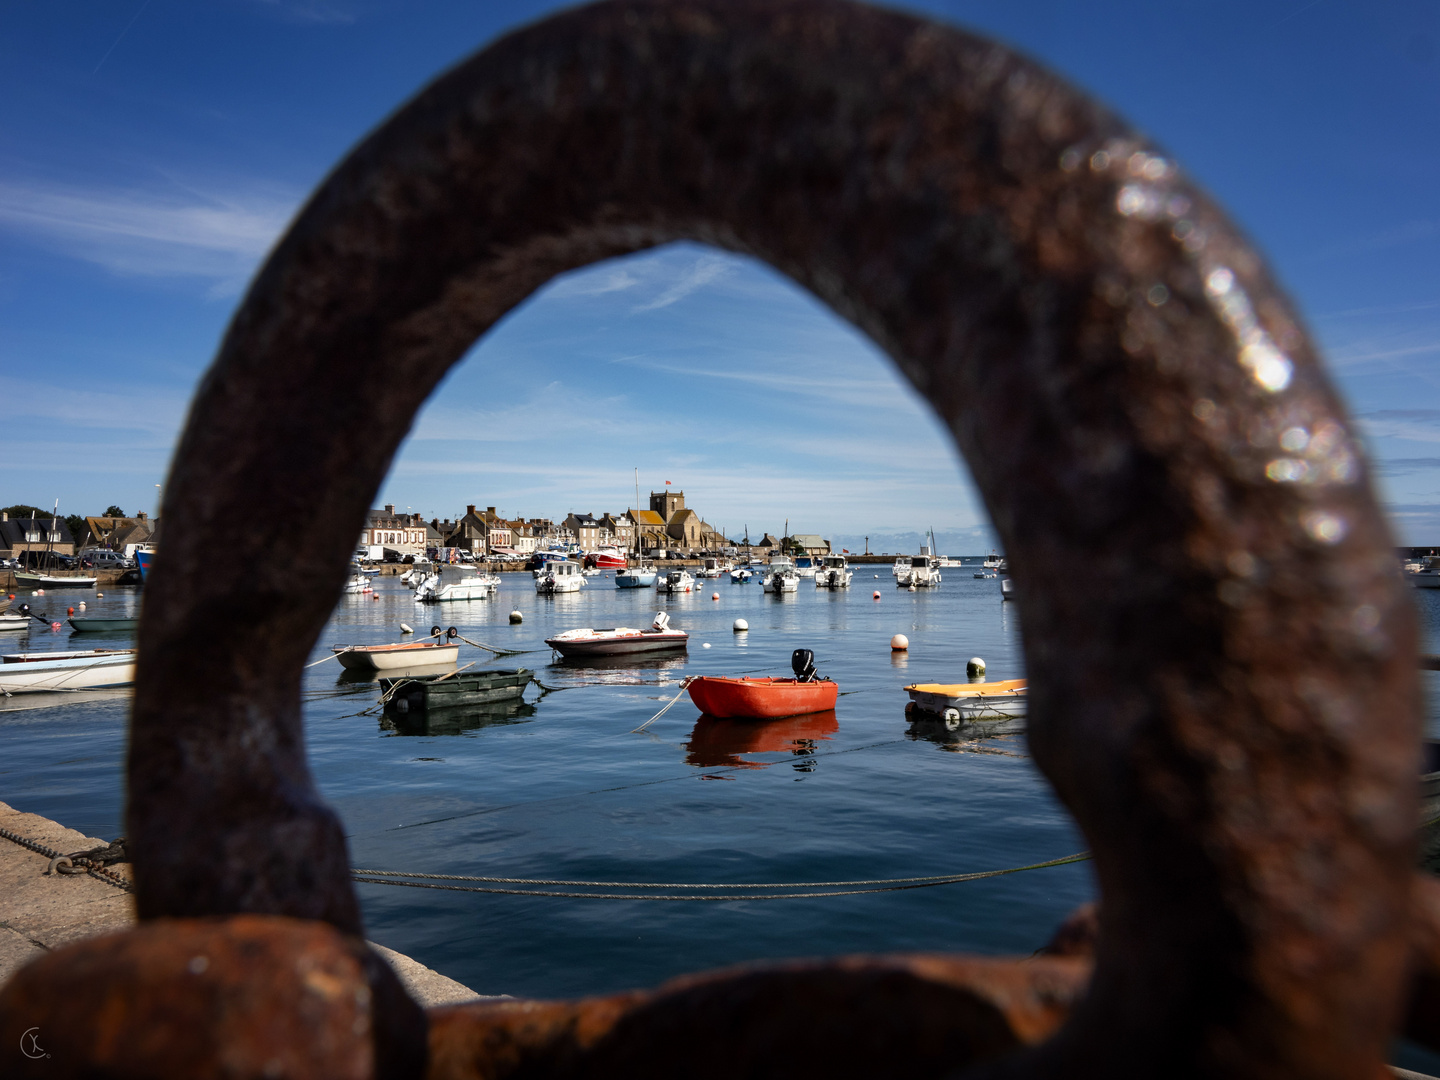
712, 568
969, 702
357, 584
1007, 588
83, 669
766, 698
677, 581
740, 575
620, 640
419, 657
559, 576
104, 626
785, 580
431, 590
807, 566
833, 573
11, 620
405, 694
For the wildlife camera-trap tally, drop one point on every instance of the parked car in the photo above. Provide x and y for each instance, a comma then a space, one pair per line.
104, 559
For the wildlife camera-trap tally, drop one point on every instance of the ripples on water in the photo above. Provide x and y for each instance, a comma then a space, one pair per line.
563, 789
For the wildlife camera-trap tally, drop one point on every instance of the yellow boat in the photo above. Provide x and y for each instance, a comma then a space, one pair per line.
970, 701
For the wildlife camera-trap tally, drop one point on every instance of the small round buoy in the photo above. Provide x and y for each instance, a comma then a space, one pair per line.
38, 592
975, 667
899, 643
98, 595
877, 575
82, 604
54, 626
909, 588
705, 646
70, 611
740, 625
877, 594
516, 617
406, 628
714, 596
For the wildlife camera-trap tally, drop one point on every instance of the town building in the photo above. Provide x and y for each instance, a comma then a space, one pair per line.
20, 536
401, 533
588, 529
669, 523
122, 534
809, 544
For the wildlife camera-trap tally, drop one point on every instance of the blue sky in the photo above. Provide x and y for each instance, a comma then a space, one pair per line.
151, 151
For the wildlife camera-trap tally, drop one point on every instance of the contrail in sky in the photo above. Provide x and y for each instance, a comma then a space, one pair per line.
121, 37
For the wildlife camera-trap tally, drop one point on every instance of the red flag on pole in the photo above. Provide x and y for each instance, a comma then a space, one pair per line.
667, 483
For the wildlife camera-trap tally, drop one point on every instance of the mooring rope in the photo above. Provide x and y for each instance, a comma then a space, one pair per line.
831, 888
684, 685
98, 872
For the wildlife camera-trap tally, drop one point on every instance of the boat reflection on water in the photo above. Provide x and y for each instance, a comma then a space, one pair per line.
459, 720
351, 677
620, 670
724, 742
958, 735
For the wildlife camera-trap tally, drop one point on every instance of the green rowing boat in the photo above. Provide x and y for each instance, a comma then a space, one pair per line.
103, 626
426, 692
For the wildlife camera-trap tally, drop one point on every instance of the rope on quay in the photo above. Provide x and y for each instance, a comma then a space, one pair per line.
832, 888
65, 863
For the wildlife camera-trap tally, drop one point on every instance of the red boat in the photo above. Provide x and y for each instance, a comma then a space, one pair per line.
761, 699
606, 559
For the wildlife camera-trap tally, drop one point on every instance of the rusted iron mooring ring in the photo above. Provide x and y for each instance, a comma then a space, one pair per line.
1222, 661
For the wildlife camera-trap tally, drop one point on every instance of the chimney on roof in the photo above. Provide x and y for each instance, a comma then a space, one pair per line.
390, 509
4, 517
469, 509
490, 510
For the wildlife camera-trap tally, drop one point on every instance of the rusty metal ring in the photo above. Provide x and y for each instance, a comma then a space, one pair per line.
1221, 656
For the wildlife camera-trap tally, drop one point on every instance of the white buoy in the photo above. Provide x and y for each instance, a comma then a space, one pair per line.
82, 605
975, 668
516, 617
714, 596
899, 643
705, 646
877, 575
909, 588
741, 625
406, 628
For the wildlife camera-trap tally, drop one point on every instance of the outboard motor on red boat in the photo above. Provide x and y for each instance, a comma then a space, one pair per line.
802, 662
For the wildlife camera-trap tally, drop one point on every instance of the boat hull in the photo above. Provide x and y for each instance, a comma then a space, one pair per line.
72, 673
761, 699
49, 581
447, 692
601, 644
396, 660
11, 621
104, 626
635, 580
972, 702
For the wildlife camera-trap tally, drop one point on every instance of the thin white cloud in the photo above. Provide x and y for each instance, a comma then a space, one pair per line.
156, 413
219, 236
704, 270
590, 282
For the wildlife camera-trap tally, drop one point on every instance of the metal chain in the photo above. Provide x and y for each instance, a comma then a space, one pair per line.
94, 869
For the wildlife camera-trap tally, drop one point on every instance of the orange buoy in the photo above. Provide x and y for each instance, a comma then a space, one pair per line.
70, 611
714, 596
877, 596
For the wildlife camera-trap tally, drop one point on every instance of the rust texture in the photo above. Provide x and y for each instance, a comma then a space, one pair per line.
1225, 697
249, 996
883, 1016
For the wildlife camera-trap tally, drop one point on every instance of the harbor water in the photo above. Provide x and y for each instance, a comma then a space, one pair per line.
564, 788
